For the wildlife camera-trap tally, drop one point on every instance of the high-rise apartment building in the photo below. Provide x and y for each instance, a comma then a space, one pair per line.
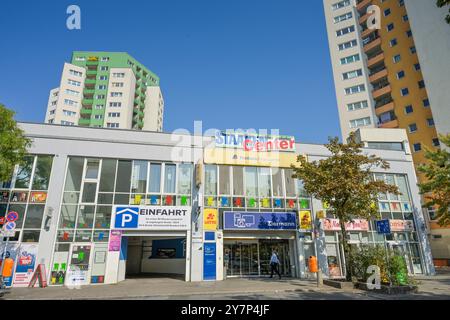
107, 89
378, 72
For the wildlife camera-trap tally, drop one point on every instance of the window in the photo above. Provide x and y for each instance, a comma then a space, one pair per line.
154, 185
118, 75
413, 50
355, 89
430, 122
99, 106
112, 125
417, 66
185, 178
264, 184
426, 103
393, 42
345, 31
103, 78
139, 177
397, 58
409, 109
115, 104
67, 123
104, 68
72, 92
238, 181
350, 59
98, 117
412, 128
70, 102
117, 84
340, 4
404, 92
170, 178
105, 59
74, 83
347, 45
400, 74
417, 147
390, 27
102, 87
75, 73
52, 112
436, 142
100, 96
360, 122
224, 180
387, 12
69, 113
421, 84
357, 105
210, 180
343, 17
251, 181
116, 94
114, 114
409, 33
352, 74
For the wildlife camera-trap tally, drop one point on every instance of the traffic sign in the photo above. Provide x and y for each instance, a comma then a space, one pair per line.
383, 227
12, 216
2, 220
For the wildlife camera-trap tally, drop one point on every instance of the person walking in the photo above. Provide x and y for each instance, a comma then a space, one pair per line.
274, 263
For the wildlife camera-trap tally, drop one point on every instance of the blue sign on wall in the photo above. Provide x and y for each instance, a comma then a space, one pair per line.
259, 220
383, 227
210, 236
209, 261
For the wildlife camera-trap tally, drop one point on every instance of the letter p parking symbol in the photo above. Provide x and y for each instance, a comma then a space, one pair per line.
126, 218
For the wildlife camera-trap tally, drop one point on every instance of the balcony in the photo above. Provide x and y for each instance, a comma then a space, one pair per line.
385, 108
367, 32
92, 63
375, 60
91, 73
379, 92
389, 125
362, 5
378, 74
90, 82
372, 45
84, 121
88, 92
138, 112
364, 18
86, 112
87, 102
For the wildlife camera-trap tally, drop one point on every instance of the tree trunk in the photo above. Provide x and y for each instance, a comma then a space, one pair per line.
345, 245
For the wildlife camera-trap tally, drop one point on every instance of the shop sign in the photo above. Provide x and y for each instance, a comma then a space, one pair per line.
26, 261
305, 220
401, 225
259, 220
254, 142
210, 219
151, 218
355, 225
209, 261
247, 158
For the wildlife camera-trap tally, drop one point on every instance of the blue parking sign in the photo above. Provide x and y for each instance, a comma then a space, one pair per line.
383, 227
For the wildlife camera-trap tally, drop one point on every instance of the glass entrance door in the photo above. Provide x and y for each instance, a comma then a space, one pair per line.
401, 250
241, 259
266, 248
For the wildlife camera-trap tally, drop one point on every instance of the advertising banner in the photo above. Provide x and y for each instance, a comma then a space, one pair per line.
12, 251
210, 219
259, 220
254, 142
209, 261
305, 220
355, 225
401, 225
26, 262
115, 237
151, 218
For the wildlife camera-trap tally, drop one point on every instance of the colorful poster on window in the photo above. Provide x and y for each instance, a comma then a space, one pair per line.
355, 225
305, 220
26, 262
38, 197
11, 252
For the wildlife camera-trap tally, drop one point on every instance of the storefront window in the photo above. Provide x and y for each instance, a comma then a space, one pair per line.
210, 180
139, 177
169, 178
92, 169
264, 182
185, 178
103, 217
67, 217
123, 181
403, 188
251, 182
42, 172
238, 181
24, 174
86, 217
89, 192
83, 236
154, 185
390, 180
74, 174
35, 213
20, 209
277, 182
301, 192
290, 182
224, 180
107, 176
30, 235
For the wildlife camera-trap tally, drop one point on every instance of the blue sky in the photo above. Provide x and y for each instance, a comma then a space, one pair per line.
260, 64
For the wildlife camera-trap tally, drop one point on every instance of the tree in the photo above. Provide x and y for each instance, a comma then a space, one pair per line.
436, 189
13, 143
441, 4
345, 182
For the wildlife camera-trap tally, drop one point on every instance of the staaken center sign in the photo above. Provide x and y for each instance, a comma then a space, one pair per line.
151, 218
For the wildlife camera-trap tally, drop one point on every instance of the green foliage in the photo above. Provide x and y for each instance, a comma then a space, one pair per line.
13, 143
442, 3
393, 271
345, 181
436, 189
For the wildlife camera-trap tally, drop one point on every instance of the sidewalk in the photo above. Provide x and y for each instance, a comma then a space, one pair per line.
156, 287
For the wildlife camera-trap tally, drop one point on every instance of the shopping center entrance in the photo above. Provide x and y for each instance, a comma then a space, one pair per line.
155, 257
247, 258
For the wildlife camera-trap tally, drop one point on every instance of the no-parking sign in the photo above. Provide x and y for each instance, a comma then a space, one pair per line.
12, 216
